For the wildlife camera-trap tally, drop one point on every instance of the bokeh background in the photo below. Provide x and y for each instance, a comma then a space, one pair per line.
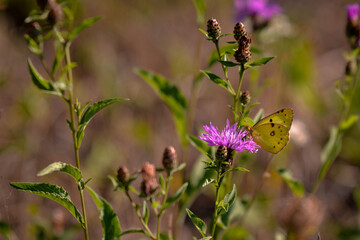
162, 36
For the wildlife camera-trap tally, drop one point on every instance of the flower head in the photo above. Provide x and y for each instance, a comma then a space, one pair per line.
352, 11
260, 8
231, 137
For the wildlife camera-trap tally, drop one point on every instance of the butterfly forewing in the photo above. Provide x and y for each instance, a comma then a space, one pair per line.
283, 117
272, 137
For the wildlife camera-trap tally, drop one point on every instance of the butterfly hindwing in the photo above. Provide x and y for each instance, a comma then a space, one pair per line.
272, 137
283, 117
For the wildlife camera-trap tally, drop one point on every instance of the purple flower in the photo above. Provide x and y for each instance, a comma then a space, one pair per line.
261, 8
352, 11
230, 137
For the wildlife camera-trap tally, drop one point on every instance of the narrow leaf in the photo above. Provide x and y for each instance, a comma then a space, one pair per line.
33, 45
41, 82
53, 192
296, 187
240, 169
134, 230
170, 95
178, 168
260, 61
229, 63
219, 81
83, 25
62, 167
229, 199
199, 224
175, 197
145, 213
109, 220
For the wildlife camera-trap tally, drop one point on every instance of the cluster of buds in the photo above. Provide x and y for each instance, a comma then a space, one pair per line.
55, 15
243, 53
213, 29
224, 156
352, 26
169, 160
149, 183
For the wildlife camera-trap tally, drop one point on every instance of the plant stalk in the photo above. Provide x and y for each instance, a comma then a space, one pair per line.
162, 205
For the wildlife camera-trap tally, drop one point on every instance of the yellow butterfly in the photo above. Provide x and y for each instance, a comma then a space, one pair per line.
272, 132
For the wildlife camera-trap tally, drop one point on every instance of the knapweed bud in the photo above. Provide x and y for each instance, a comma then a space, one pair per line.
239, 30
148, 170
149, 186
242, 55
221, 154
123, 175
169, 160
213, 29
244, 97
301, 216
56, 14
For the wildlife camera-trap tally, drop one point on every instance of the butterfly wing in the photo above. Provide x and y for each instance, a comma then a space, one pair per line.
283, 117
271, 137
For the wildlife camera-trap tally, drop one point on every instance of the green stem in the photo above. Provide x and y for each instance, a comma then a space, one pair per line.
236, 97
139, 216
162, 205
72, 121
218, 185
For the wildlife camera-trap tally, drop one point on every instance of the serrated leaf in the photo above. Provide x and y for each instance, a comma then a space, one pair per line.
172, 96
83, 25
259, 62
175, 197
145, 213
97, 107
229, 63
62, 167
41, 82
346, 124
53, 192
219, 81
296, 187
199, 224
109, 220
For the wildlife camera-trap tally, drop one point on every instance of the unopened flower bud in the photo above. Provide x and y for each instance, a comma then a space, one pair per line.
224, 156
301, 216
213, 29
148, 170
169, 160
245, 97
149, 186
56, 14
242, 55
123, 175
239, 30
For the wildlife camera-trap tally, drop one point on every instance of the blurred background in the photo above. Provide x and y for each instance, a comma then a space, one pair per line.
309, 41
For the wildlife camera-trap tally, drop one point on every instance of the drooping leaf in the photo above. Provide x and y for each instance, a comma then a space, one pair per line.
41, 82
83, 25
199, 224
295, 186
62, 167
219, 81
170, 95
259, 62
109, 220
53, 192
175, 197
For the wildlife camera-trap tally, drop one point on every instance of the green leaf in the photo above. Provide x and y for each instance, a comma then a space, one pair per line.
296, 187
204, 32
229, 63
175, 197
83, 25
33, 45
199, 224
200, 145
145, 213
219, 81
229, 199
178, 168
200, 7
133, 230
239, 169
53, 192
162, 184
346, 124
97, 107
62, 167
164, 236
259, 62
170, 95
109, 220
228, 49
41, 82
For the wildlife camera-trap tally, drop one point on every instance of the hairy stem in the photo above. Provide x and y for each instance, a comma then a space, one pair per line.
162, 205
